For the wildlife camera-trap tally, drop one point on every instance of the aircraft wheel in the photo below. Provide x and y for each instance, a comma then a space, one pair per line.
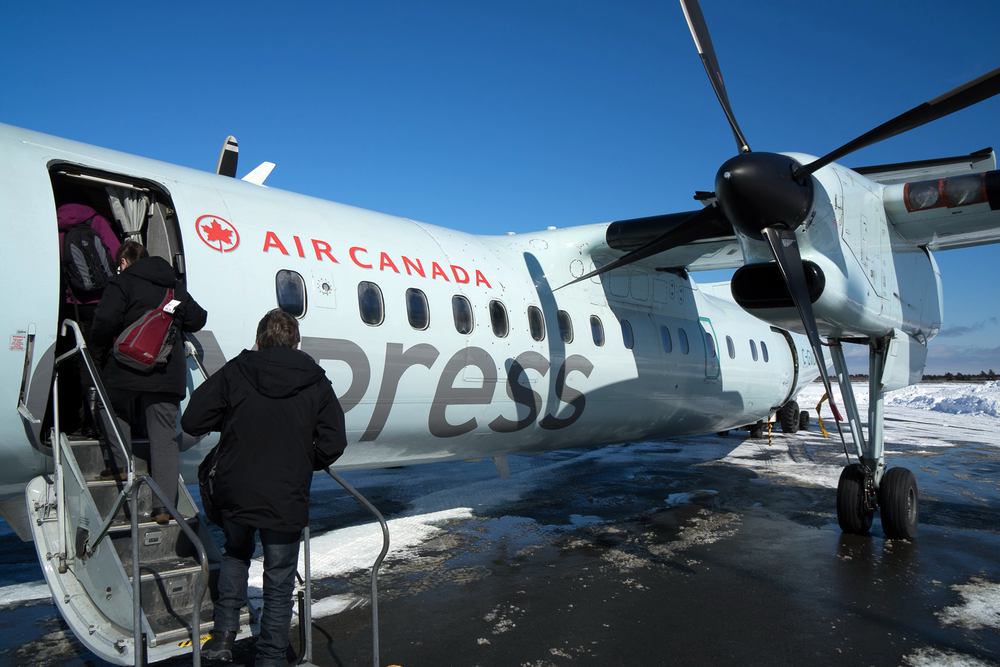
852, 515
898, 500
788, 415
804, 420
757, 431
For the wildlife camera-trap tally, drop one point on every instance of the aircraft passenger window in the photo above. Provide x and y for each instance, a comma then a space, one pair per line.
597, 329
536, 323
291, 292
370, 303
461, 309
682, 336
763, 350
668, 344
730, 347
565, 326
417, 310
753, 349
498, 318
627, 336
710, 345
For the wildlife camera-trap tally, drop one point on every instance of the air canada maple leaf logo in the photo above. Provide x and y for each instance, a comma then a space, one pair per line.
217, 233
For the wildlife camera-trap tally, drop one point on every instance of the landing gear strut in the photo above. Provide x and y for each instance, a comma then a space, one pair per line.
866, 485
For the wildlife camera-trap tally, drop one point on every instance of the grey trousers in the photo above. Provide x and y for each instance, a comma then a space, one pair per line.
156, 415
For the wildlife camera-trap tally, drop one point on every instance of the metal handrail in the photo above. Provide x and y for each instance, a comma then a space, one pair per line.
307, 618
80, 349
202, 580
191, 351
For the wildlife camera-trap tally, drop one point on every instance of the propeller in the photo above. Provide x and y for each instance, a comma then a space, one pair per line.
786, 252
703, 42
964, 96
767, 196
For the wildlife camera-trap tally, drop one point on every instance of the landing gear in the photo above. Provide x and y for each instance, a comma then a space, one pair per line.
788, 417
804, 420
757, 430
855, 500
897, 500
866, 485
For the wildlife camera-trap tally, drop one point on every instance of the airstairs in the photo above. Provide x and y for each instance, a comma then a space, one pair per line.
90, 528
95, 542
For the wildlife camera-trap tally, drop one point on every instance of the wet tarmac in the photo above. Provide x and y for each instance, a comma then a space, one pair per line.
712, 550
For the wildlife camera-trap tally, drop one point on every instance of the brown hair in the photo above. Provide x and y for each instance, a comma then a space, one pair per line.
131, 251
277, 329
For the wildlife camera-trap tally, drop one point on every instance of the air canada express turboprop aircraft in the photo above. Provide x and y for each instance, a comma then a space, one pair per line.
445, 345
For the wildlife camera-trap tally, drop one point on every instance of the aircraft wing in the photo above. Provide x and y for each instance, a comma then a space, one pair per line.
711, 245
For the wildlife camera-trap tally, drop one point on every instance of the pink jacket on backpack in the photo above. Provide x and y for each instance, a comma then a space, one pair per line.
69, 215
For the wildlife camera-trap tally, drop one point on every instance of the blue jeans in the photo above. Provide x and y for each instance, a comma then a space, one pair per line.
281, 555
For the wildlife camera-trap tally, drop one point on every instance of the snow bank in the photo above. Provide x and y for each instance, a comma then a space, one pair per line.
957, 399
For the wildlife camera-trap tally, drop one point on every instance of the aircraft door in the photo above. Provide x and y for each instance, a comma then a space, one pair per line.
711, 348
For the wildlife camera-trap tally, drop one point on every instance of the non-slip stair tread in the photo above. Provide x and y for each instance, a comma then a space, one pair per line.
167, 567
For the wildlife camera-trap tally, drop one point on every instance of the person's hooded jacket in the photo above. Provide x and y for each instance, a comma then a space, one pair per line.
137, 289
279, 421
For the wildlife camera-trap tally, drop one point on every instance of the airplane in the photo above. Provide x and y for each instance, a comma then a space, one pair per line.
444, 345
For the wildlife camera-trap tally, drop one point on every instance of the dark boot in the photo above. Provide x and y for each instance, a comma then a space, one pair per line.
219, 647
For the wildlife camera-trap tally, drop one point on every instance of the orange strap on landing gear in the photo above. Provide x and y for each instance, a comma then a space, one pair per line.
819, 415
770, 425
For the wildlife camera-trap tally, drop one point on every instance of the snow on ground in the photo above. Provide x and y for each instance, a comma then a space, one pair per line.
956, 399
21, 593
980, 606
922, 415
933, 657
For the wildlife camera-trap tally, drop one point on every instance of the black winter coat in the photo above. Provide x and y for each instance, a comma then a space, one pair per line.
127, 297
280, 421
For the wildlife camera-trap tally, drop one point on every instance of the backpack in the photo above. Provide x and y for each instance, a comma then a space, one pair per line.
147, 342
87, 264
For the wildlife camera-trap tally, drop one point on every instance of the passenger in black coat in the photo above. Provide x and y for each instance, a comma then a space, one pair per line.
145, 401
280, 421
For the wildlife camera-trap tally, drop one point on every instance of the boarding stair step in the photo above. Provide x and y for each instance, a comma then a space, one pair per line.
156, 542
94, 457
167, 588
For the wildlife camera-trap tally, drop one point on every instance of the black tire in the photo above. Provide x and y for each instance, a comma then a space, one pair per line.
852, 515
898, 501
804, 420
757, 431
788, 416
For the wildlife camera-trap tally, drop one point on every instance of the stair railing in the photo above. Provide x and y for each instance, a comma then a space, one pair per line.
306, 615
80, 350
129, 492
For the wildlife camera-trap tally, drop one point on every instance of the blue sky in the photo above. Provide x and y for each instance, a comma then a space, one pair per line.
491, 117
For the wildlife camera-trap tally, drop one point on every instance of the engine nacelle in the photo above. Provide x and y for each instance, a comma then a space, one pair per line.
864, 279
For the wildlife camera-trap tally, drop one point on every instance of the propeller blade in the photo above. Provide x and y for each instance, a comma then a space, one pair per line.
786, 250
966, 95
228, 157
691, 229
703, 42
